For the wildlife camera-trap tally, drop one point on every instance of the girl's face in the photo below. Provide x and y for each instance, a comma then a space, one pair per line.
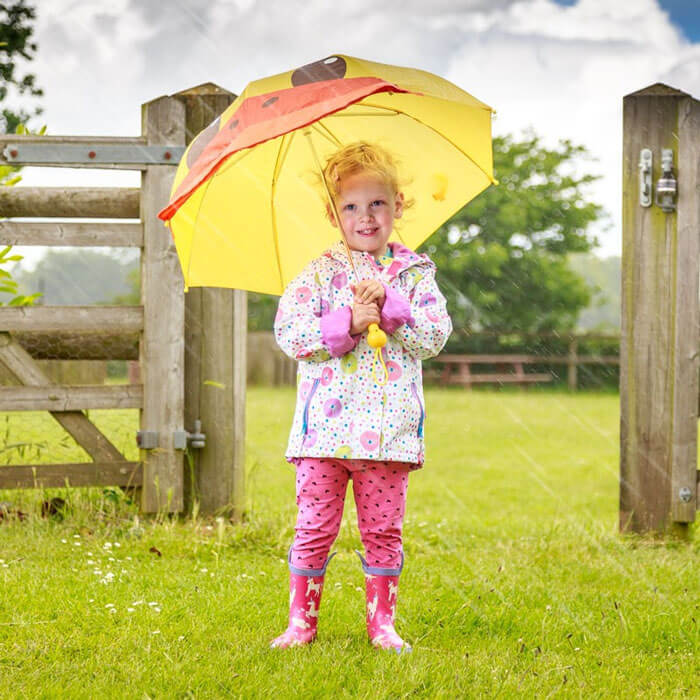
367, 208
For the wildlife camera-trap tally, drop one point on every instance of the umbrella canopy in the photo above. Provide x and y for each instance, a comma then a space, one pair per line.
246, 209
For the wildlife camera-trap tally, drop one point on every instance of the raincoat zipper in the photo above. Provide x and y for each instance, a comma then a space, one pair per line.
312, 391
414, 389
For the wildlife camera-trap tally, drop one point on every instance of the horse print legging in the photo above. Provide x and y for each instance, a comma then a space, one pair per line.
380, 497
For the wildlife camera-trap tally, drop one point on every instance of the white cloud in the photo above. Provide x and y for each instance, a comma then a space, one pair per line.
561, 70
565, 70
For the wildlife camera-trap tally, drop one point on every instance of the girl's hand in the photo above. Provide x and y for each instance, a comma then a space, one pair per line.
362, 316
368, 291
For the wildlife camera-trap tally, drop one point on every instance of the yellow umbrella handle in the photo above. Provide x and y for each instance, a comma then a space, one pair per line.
376, 338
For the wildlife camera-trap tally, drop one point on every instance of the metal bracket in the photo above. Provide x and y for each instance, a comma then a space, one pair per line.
147, 439
685, 494
60, 154
667, 185
645, 159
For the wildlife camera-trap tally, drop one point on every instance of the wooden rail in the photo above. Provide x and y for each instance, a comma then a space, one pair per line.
110, 152
80, 319
29, 476
93, 202
56, 397
69, 345
71, 234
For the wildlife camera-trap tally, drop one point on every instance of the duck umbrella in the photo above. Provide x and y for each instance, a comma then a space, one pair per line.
246, 210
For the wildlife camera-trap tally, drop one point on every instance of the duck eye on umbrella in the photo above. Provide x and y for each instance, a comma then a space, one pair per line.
331, 68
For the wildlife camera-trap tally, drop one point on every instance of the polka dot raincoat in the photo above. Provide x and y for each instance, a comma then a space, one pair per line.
341, 411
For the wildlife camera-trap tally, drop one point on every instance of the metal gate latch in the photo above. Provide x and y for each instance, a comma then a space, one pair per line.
196, 439
148, 439
645, 177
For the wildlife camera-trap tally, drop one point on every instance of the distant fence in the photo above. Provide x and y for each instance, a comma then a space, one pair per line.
581, 360
573, 359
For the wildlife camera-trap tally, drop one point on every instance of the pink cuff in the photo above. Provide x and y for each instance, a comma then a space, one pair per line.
335, 331
396, 311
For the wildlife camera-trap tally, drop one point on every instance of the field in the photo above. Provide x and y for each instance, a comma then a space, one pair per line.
516, 583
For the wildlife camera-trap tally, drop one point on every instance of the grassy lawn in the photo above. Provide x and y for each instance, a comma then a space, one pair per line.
516, 582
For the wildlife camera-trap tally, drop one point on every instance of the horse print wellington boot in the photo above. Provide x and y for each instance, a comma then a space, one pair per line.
305, 588
381, 591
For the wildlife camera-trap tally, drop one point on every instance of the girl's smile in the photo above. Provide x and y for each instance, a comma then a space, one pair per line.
367, 208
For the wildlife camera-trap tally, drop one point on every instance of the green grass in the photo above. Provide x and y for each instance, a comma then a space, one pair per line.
516, 582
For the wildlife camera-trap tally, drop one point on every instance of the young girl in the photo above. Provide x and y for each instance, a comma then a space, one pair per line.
346, 425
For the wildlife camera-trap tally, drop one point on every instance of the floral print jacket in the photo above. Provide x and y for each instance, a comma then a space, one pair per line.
341, 411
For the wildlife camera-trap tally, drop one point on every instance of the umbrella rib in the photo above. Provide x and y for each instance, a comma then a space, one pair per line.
330, 136
492, 179
275, 174
231, 161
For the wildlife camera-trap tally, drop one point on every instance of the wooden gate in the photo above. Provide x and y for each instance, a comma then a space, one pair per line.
154, 332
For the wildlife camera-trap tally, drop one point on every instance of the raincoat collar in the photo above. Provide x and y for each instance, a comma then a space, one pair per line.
403, 257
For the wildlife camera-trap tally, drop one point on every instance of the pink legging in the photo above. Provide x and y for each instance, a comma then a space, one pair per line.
380, 497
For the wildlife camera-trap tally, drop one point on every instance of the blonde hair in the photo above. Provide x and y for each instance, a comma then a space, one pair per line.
361, 157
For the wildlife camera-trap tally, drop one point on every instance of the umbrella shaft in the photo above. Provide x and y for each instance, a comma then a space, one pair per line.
307, 133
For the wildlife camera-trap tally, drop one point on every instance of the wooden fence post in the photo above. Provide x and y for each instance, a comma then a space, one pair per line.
659, 324
572, 364
215, 361
162, 346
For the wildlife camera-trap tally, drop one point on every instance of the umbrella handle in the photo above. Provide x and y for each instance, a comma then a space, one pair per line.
376, 338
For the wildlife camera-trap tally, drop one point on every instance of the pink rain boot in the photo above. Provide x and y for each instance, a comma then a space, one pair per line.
304, 603
381, 589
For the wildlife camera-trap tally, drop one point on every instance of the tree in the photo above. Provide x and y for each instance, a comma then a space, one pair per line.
9, 286
502, 259
15, 34
14, 38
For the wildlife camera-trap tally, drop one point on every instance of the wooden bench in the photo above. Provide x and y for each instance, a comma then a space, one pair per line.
457, 369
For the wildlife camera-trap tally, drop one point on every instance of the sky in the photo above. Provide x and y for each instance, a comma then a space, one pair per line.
559, 67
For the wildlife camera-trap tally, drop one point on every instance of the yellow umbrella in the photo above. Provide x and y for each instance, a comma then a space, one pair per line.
245, 211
